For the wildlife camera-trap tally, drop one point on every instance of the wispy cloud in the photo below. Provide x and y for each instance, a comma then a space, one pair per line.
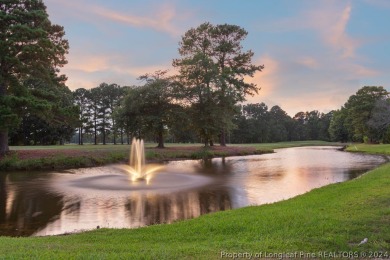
330, 21
308, 62
89, 70
89, 63
162, 21
161, 18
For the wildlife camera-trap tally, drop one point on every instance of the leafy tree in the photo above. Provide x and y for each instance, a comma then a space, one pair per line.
279, 122
379, 122
359, 109
258, 117
151, 107
53, 124
313, 124
325, 120
337, 130
81, 99
30, 48
104, 102
212, 69
112, 95
300, 131
181, 130
94, 96
244, 131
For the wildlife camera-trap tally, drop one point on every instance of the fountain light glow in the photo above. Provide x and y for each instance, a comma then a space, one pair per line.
137, 168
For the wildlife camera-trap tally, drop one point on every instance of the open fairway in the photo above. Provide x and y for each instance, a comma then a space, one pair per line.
332, 219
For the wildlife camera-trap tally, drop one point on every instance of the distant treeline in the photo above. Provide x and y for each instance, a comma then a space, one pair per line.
110, 113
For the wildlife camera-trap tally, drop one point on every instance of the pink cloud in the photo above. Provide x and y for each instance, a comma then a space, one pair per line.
308, 62
266, 79
331, 22
162, 21
159, 19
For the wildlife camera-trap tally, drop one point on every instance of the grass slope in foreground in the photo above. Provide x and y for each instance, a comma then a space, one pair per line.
334, 218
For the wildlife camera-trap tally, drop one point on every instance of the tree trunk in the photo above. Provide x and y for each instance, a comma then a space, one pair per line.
223, 138
81, 136
3, 132
95, 132
211, 142
114, 132
104, 131
3, 198
4, 141
160, 140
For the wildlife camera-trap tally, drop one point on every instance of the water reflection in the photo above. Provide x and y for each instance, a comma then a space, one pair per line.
29, 205
135, 211
25, 205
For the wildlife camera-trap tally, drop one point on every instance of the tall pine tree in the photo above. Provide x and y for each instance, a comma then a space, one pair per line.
31, 47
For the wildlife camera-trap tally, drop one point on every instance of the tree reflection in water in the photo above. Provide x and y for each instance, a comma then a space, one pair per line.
31, 205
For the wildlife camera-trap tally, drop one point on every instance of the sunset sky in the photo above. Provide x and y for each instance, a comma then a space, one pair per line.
316, 53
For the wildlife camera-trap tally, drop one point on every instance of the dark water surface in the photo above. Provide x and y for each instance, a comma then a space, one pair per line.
50, 203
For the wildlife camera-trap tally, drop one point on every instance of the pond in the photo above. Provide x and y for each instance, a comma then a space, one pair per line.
50, 203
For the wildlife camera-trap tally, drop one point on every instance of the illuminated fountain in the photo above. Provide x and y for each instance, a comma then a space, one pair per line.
137, 169
136, 177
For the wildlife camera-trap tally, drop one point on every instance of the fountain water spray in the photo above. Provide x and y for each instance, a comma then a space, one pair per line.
137, 169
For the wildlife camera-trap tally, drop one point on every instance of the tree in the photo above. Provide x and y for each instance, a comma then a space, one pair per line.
359, 109
30, 47
313, 124
49, 124
94, 96
212, 70
150, 108
257, 116
112, 95
337, 129
300, 131
324, 126
279, 121
81, 99
380, 120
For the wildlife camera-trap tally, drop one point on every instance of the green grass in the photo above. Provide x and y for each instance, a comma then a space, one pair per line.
76, 156
370, 148
334, 218
125, 147
290, 144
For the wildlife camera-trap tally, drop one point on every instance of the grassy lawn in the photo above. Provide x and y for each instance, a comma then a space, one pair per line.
370, 148
332, 219
76, 156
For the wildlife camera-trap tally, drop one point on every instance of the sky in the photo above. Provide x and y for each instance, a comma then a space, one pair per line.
316, 53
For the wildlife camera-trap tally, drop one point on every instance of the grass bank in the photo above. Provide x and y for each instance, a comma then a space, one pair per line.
77, 156
369, 148
329, 220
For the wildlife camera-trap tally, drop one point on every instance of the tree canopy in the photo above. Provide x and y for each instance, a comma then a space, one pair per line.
32, 50
212, 71
351, 122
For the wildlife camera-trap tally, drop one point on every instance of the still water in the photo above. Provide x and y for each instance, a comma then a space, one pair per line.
50, 203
